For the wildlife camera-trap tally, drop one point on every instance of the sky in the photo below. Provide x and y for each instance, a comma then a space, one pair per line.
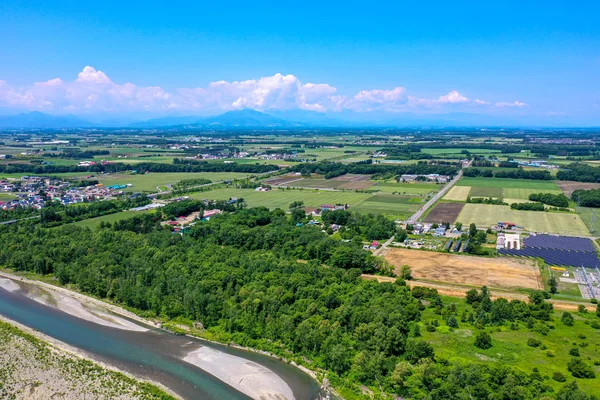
511, 58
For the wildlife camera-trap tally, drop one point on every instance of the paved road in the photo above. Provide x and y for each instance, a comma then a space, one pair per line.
416, 216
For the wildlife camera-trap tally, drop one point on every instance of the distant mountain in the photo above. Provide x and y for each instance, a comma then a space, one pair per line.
37, 119
165, 121
246, 118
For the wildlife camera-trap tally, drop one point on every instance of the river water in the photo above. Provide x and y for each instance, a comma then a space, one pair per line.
154, 355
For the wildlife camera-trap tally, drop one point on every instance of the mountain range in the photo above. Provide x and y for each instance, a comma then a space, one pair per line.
286, 119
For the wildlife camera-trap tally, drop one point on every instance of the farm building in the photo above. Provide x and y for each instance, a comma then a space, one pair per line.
508, 241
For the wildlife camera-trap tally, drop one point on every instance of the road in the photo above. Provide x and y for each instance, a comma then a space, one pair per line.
416, 216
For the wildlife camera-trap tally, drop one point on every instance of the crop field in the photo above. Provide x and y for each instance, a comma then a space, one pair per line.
282, 198
66, 175
149, 182
485, 215
482, 191
457, 151
392, 205
458, 193
502, 273
592, 222
418, 188
508, 183
522, 193
351, 182
569, 187
444, 212
281, 180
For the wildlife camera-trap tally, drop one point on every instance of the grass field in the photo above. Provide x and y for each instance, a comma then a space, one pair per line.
508, 183
392, 205
458, 193
510, 347
593, 223
523, 193
457, 151
94, 222
419, 188
485, 215
66, 175
482, 191
7, 197
149, 182
283, 198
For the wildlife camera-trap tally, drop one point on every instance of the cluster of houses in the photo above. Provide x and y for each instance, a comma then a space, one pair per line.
423, 229
429, 177
34, 192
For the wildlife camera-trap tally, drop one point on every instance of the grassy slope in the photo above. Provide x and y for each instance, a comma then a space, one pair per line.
510, 347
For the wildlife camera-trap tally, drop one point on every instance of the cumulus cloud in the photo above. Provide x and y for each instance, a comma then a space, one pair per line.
94, 91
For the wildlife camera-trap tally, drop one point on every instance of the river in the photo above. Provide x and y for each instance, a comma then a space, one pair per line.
154, 354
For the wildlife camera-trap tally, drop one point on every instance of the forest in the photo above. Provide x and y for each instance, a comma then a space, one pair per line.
331, 170
579, 172
254, 277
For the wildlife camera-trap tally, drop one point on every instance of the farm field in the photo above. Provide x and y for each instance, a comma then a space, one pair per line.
7, 197
392, 205
457, 151
418, 188
444, 212
508, 183
65, 175
354, 182
458, 193
483, 191
569, 187
500, 273
283, 198
485, 215
592, 223
149, 182
523, 193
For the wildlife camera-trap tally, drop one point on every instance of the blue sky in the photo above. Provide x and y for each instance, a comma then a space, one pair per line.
538, 59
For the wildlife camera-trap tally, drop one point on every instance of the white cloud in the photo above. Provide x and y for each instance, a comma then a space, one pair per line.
453, 97
503, 104
94, 91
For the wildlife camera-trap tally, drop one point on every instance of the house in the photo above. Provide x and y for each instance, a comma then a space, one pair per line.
374, 245
439, 232
209, 213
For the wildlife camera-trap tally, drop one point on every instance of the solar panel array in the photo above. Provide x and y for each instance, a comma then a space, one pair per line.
558, 250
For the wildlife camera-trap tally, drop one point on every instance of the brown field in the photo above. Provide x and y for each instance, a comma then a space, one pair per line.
444, 212
569, 187
502, 273
351, 178
354, 181
281, 180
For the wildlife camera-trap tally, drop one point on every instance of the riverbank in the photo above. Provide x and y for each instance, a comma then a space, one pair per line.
248, 377
36, 366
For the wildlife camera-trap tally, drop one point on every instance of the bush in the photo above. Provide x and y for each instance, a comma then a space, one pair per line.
558, 377
574, 352
533, 342
567, 319
483, 340
430, 328
579, 369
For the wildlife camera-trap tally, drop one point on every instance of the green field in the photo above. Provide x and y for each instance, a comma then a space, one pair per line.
7, 197
521, 193
457, 151
94, 222
392, 205
510, 346
509, 183
65, 175
318, 183
406, 188
485, 215
481, 191
149, 182
592, 222
282, 198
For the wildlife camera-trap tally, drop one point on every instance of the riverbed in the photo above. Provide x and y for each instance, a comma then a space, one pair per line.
190, 367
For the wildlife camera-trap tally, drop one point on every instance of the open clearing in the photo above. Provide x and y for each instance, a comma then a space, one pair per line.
419, 188
485, 215
569, 187
467, 270
458, 193
351, 182
393, 205
149, 182
481, 191
444, 212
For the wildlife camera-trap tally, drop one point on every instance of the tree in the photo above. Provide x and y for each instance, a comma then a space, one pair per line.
483, 340
296, 204
582, 309
458, 226
472, 229
401, 235
418, 350
567, 319
406, 272
452, 322
553, 285
472, 296
598, 310
298, 215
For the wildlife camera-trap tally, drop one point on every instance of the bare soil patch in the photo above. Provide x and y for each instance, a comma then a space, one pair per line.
351, 178
281, 180
500, 273
444, 212
569, 187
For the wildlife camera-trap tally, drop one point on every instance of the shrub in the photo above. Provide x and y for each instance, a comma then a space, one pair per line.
430, 328
574, 352
582, 309
483, 340
567, 319
550, 354
533, 342
580, 369
558, 377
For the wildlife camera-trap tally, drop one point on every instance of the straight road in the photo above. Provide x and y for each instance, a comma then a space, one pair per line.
416, 216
